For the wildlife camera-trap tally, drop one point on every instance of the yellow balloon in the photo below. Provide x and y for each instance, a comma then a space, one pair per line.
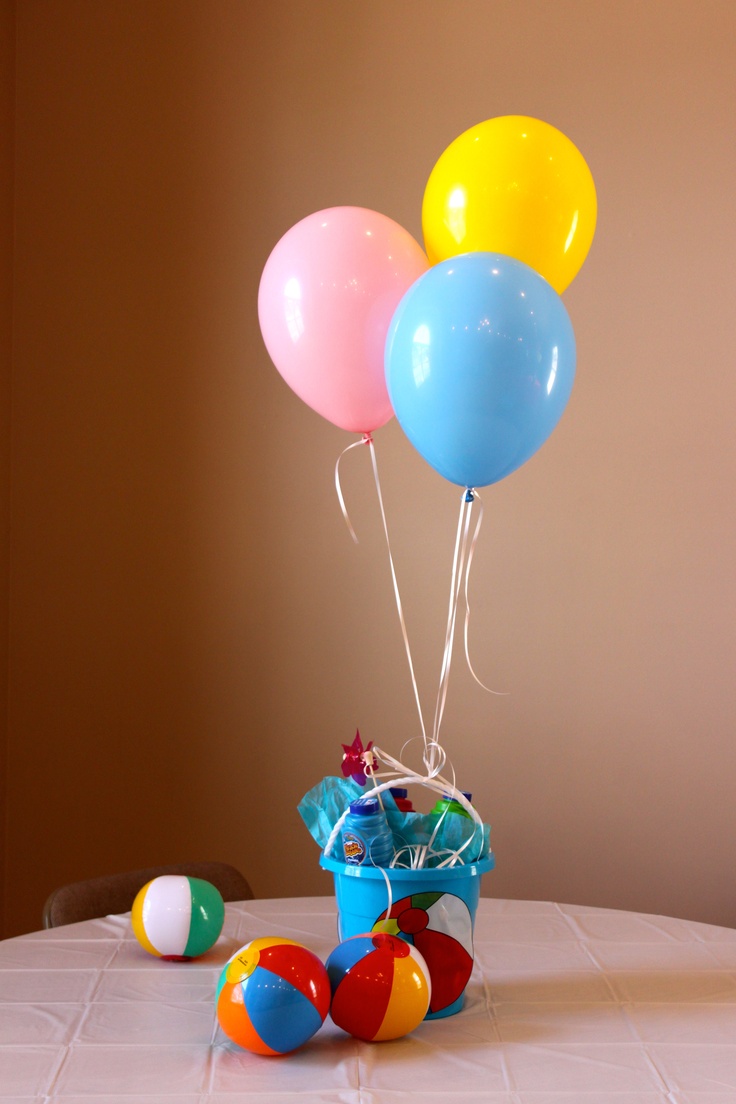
512, 185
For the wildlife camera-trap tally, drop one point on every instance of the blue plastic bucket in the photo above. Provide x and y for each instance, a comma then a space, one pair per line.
433, 909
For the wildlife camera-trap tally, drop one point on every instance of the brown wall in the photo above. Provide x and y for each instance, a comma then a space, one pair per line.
7, 87
192, 632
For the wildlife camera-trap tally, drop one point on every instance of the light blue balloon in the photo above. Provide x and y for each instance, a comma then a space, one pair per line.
480, 363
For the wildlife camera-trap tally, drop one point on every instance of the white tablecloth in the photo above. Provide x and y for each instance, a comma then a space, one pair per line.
565, 1004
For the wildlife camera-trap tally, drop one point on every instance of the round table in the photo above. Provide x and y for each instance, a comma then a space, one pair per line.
566, 1004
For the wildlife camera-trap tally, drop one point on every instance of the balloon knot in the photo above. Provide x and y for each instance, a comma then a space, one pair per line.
367, 438
469, 496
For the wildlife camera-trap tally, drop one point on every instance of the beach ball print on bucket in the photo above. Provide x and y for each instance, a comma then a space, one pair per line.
272, 996
380, 987
176, 917
440, 927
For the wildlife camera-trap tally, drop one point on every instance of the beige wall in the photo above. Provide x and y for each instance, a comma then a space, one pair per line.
192, 633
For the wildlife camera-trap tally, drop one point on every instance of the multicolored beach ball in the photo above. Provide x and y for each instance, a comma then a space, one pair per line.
380, 987
177, 917
439, 925
272, 996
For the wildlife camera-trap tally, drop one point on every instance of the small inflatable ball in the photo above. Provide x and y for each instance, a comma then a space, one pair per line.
380, 987
272, 996
176, 917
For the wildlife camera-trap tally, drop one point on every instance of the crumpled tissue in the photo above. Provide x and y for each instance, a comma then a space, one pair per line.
322, 807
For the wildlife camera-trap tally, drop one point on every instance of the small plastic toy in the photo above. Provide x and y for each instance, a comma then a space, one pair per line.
380, 987
176, 917
272, 996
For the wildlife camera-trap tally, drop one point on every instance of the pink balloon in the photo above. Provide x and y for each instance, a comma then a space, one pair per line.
327, 296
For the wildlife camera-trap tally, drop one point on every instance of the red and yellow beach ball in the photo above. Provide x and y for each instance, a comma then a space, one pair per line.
380, 987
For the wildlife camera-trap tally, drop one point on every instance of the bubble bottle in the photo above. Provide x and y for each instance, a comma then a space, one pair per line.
400, 796
450, 804
366, 836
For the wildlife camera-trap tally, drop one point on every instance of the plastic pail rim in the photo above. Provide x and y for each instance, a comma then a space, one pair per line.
449, 873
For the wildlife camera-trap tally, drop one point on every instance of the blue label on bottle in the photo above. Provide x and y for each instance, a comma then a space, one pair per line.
353, 848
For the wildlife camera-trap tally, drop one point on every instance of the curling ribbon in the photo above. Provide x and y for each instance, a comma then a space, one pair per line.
368, 440
433, 756
460, 578
471, 553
